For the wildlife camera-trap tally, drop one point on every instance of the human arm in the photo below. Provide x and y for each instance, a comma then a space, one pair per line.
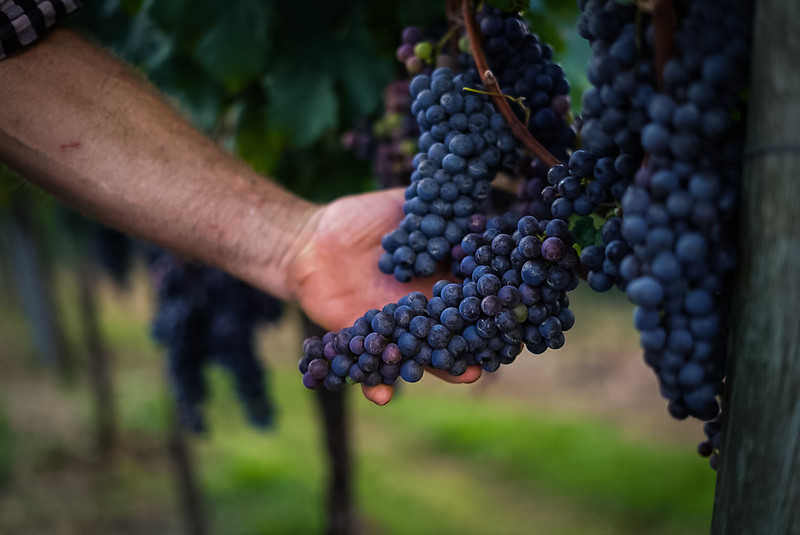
87, 128
91, 131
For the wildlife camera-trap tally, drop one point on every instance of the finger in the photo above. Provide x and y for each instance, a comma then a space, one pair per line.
379, 394
472, 374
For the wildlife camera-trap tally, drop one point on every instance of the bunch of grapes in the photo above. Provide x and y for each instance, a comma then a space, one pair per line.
391, 141
672, 248
518, 270
659, 160
613, 111
419, 54
695, 139
463, 142
462, 172
205, 316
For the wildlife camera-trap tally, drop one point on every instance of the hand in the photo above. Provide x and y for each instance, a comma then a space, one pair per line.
336, 276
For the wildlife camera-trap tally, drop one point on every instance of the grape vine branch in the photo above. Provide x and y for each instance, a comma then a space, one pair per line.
663, 22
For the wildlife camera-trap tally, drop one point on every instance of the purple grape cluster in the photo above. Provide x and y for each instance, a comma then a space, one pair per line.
613, 111
463, 143
518, 272
680, 214
672, 250
419, 54
204, 317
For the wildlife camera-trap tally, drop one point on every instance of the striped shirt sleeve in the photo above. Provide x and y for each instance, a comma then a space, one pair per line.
24, 21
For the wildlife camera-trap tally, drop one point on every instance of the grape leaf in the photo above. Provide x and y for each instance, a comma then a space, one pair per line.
585, 232
422, 13
256, 143
302, 104
147, 45
509, 5
198, 94
167, 14
562, 10
131, 7
362, 76
542, 24
234, 50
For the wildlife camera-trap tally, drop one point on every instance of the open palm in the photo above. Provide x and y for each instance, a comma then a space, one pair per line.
336, 272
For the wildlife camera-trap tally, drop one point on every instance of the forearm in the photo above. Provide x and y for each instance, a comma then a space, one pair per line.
88, 129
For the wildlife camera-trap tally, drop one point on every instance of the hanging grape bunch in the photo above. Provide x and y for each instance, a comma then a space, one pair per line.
204, 317
515, 269
655, 155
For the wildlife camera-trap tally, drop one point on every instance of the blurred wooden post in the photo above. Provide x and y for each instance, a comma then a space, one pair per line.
333, 412
100, 376
758, 486
334, 415
188, 489
34, 285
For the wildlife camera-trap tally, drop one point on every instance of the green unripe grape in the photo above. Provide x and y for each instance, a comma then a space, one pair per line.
379, 129
521, 311
463, 45
393, 122
408, 147
423, 50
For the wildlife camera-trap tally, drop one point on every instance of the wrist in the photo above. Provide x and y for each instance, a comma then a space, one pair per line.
270, 239
299, 236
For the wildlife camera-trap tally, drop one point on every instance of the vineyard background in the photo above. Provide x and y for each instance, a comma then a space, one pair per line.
573, 441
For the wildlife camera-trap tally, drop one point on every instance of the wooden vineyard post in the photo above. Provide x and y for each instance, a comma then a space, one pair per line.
336, 430
758, 486
101, 380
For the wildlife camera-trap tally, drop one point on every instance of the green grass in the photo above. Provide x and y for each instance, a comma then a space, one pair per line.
6, 448
593, 463
440, 460
437, 459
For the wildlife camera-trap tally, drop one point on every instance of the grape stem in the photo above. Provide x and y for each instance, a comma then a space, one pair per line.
453, 23
663, 26
519, 101
490, 82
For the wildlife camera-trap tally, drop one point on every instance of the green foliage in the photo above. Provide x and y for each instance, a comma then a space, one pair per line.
200, 96
301, 105
421, 13
255, 142
6, 448
238, 61
131, 7
9, 181
510, 5
272, 79
585, 231
167, 14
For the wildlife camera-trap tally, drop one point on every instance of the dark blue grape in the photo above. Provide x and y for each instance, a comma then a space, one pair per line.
411, 371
